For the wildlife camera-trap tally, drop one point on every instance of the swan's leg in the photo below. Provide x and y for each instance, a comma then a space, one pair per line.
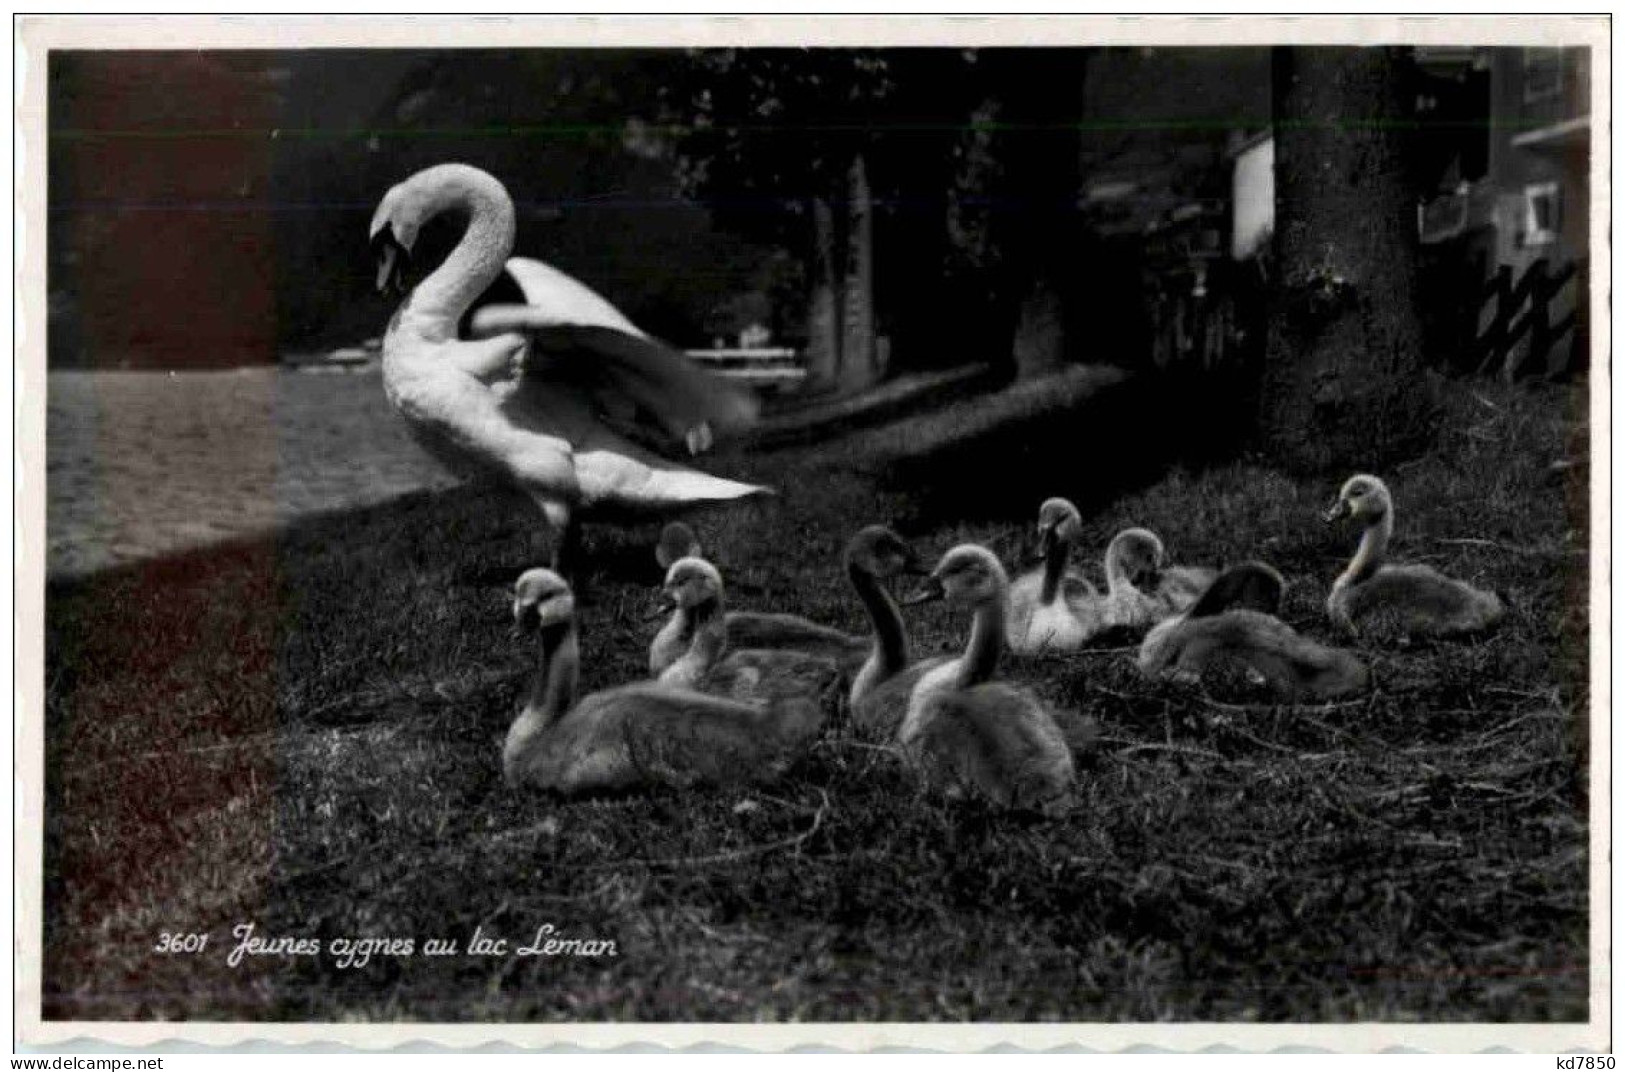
567, 552
555, 533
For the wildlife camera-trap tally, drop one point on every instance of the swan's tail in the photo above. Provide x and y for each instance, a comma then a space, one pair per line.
623, 484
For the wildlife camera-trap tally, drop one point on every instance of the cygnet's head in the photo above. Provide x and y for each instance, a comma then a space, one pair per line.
1364, 498
542, 599
880, 552
677, 540
967, 576
1138, 554
1058, 521
692, 582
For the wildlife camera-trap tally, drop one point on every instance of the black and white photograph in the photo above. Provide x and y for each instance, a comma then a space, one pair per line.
1044, 525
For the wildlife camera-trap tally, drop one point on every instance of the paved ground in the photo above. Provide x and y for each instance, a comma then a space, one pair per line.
143, 463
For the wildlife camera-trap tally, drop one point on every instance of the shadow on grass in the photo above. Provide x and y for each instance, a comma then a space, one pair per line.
1090, 436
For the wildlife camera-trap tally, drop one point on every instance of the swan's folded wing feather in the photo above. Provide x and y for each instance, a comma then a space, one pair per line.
564, 299
641, 384
584, 340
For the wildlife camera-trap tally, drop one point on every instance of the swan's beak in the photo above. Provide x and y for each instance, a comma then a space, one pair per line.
1340, 509
929, 592
386, 268
392, 258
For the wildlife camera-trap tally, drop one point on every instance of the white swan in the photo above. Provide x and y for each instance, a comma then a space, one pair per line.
1398, 600
745, 629
975, 734
1233, 623
528, 405
712, 663
1053, 608
637, 735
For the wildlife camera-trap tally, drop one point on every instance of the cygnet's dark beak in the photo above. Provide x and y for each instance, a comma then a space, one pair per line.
928, 592
662, 607
1340, 509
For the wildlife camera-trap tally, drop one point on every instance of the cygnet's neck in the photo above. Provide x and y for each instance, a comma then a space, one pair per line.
553, 689
890, 653
1117, 578
709, 642
986, 644
1373, 549
1055, 556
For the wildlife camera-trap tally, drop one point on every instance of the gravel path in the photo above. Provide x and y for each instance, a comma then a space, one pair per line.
140, 464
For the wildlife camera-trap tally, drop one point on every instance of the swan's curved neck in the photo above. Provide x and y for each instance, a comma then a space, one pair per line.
446, 294
1373, 549
891, 652
553, 690
1117, 577
981, 656
1054, 567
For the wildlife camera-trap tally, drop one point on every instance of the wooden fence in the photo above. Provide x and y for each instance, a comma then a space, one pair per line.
1521, 338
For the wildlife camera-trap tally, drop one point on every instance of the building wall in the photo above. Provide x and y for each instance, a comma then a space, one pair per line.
1517, 165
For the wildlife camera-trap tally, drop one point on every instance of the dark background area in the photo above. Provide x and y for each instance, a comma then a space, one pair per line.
210, 208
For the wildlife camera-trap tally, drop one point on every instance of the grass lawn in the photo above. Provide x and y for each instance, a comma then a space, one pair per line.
303, 733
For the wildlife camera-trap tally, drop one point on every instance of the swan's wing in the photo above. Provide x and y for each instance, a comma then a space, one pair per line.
560, 300
678, 736
582, 343
755, 629
1000, 740
880, 713
1251, 585
767, 674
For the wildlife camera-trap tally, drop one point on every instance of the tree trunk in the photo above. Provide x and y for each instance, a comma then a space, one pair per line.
1040, 341
857, 363
1344, 386
823, 303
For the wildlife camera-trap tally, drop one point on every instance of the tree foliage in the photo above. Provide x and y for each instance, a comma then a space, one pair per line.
967, 154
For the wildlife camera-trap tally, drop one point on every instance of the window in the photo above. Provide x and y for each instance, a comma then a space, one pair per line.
1542, 74
1542, 213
